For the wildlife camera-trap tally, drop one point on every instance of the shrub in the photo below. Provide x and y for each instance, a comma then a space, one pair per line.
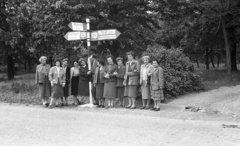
179, 74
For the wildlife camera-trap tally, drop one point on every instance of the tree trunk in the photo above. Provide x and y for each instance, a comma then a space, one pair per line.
207, 59
25, 65
218, 62
234, 57
10, 67
29, 66
212, 62
227, 49
197, 63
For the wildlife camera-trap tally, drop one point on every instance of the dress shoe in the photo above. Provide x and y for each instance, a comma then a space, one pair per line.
143, 107
152, 109
157, 109
107, 107
127, 106
102, 106
147, 108
133, 107
50, 106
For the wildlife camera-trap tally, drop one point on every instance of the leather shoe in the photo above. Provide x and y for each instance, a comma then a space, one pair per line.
147, 108
152, 109
50, 106
133, 107
157, 109
143, 107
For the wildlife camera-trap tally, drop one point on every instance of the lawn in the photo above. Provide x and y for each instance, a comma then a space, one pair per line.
23, 89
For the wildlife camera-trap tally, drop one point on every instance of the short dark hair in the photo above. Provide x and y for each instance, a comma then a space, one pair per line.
74, 62
100, 61
58, 61
155, 59
110, 56
131, 53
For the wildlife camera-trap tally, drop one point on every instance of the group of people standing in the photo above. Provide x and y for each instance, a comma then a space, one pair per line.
110, 81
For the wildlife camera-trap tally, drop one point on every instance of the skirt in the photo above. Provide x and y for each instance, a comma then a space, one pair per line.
146, 93
99, 90
74, 85
57, 91
66, 89
120, 92
131, 91
157, 94
110, 90
83, 88
45, 88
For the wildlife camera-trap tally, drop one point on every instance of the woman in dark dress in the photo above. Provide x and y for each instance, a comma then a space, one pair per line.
98, 82
110, 90
84, 75
120, 78
74, 81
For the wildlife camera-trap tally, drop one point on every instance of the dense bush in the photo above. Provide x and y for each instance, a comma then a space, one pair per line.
179, 73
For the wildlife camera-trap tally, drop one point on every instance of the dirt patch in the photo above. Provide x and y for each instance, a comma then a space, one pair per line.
224, 100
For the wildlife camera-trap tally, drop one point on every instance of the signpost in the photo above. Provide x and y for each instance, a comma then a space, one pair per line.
77, 35
75, 26
81, 31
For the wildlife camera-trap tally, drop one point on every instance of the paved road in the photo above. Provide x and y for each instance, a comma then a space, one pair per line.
36, 126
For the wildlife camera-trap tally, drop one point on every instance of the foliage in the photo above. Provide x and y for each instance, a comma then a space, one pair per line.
179, 73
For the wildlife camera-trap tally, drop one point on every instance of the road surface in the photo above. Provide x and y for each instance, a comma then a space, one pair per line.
37, 126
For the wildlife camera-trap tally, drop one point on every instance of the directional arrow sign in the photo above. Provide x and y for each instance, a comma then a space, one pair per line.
72, 36
109, 34
75, 26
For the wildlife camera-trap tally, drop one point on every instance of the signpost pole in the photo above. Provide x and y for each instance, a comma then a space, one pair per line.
89, 61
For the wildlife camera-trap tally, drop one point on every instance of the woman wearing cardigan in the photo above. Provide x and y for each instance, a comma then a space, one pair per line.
42, 80
156, 85
98, 82
145, 88
57, 79
131, 80
120, 78
110, 82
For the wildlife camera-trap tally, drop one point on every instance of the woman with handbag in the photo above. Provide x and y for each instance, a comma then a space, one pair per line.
110, 90
156, 85
144, 82
131, 80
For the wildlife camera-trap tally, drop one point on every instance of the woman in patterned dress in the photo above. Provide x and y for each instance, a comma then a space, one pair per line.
156, 85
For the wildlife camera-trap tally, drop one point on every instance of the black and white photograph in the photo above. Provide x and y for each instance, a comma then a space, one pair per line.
119, 73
